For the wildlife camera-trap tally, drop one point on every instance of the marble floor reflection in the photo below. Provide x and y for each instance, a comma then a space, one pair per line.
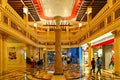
38, 73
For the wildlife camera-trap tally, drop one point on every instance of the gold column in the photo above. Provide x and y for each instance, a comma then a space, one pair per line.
21, 60
3, 2
25, 13
34, 53
5, 56
1, 55
117, 52
46, 59
89, 14
31, 51
28, 54
41, 53
90, 54
58, 56
68, 34
28, 51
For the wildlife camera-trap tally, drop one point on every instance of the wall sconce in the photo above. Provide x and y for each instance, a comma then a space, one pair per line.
89, 10
80, 24
35, 25
25, 9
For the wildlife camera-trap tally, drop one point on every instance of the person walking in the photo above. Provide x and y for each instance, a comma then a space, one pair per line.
112, 62
32, 62
93, 63
99, 64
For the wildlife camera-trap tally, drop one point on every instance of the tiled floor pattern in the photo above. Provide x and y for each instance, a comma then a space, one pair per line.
33, 74
23, 76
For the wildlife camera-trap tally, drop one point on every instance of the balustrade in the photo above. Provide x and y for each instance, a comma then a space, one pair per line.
101, 22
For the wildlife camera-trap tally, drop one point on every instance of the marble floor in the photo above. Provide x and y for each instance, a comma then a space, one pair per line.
69, 74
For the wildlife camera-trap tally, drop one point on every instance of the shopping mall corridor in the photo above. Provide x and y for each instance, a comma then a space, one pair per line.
71, 72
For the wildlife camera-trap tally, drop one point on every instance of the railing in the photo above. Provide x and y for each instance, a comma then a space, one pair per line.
99, 15
101, 21
12, 14
12, 20
19, 21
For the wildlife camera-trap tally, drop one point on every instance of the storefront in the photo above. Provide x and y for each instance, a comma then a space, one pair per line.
106, 52
103, 47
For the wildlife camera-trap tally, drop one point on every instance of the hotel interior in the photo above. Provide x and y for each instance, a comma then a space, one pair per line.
58, 39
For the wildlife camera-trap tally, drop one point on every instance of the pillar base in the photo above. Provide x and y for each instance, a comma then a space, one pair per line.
58, 73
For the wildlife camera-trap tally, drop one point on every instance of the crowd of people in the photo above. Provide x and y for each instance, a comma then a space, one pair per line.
98, 62
33, 62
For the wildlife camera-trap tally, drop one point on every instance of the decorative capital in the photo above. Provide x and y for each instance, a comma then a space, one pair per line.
4, 37
89, 9
89, 44
57, 20
114, 32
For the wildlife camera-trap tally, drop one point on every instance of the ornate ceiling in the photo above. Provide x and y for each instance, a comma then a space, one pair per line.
42, 11
47, 9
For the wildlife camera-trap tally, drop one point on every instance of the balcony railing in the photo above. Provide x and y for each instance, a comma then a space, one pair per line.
101, 24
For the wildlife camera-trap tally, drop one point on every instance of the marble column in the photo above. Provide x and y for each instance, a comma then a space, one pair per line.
28, 54
34, 53
117, 52
41, 53
46, 60
89, 15
1, 59
58, 55
5, 55
90, 54
28, 51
